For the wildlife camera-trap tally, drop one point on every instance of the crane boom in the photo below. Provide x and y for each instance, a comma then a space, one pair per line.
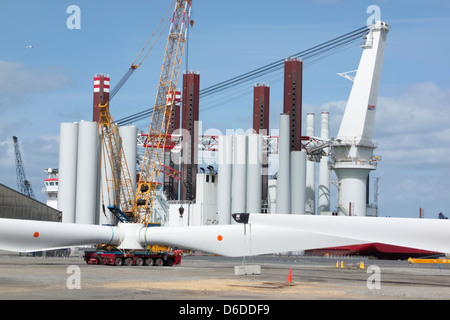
119, 183
150, 168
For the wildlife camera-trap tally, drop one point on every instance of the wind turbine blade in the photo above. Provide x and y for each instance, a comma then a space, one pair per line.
424, 234
240, 240
266, 234
29, 235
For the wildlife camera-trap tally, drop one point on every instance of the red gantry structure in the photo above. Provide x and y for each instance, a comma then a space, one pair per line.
293, 74
171, 182
261, 111
190, 117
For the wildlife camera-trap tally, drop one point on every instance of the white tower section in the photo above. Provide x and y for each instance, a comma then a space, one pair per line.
224, 174
239, 173
67, 177
353, 150
310, 169
323, 190
283, 195
254, 177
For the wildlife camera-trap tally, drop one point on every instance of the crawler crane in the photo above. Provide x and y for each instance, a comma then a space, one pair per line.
130, 206
151, 164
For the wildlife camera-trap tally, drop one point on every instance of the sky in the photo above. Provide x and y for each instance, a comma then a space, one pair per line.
51, 83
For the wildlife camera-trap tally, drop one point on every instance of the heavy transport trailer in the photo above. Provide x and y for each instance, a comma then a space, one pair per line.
134, 258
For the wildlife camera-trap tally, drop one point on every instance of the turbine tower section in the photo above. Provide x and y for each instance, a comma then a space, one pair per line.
293, 74
171, 158
261, 97
190, 117
352, 152
261, 111
323, 190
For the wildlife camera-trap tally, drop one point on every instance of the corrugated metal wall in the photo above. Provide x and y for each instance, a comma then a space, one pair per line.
14, 205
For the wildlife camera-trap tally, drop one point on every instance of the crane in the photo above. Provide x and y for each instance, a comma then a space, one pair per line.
151, 163
23, 184
353, 149
119, 183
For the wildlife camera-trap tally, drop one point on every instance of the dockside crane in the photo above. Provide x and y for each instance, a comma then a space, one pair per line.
23, 184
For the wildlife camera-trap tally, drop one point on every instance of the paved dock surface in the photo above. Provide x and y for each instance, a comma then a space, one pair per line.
213, 278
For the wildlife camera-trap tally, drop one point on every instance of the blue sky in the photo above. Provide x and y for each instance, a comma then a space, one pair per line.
52, 82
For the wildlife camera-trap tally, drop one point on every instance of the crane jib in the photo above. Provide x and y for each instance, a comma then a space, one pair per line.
151, 164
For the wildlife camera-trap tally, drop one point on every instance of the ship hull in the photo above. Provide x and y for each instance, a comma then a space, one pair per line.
376, 250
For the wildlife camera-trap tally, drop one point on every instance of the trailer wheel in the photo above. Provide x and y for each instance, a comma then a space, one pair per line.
139, 262
149, 262
159, 262
129, 262
118, 262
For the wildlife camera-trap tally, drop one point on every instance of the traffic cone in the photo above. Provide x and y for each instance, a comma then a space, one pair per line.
289, 279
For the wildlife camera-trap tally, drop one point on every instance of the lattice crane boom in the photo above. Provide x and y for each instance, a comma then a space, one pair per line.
151, 164
23, 184
119, 183
120, 192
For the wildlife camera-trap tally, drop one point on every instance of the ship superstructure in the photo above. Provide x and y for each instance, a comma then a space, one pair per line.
51, 187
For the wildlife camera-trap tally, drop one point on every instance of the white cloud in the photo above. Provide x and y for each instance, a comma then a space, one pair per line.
18, 82
413, 128
6, 154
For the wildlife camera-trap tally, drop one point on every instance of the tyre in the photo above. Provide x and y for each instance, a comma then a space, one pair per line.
129, 262
139, 262
159, 262
118, 262
149, 262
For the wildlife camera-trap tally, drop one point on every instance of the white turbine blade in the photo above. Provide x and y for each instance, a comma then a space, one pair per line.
30, 235
425, 234
235, 241
279, 233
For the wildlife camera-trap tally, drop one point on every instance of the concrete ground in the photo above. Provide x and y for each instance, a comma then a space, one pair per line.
213, 278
